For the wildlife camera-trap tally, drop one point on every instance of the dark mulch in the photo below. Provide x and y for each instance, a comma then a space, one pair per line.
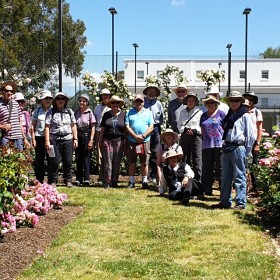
19, 249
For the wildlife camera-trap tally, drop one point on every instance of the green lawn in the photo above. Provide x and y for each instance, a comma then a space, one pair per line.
136, 234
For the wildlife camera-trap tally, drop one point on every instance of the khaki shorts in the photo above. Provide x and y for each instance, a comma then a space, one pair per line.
132, 156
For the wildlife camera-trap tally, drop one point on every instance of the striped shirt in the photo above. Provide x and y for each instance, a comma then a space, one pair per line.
15, 132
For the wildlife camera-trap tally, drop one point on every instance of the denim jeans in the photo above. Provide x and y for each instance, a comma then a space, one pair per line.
234, 171
18, 143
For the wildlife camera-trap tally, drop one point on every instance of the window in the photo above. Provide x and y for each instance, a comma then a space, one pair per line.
264, 102
140, 75
265, 74
242, 74
197, 74
159, 74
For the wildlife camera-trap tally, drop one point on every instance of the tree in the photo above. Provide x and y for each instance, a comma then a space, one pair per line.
29, 26
271, 53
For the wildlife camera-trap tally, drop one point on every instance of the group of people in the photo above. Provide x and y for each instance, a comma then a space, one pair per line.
201, 144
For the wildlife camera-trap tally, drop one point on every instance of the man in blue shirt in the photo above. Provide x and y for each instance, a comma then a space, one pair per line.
139, 124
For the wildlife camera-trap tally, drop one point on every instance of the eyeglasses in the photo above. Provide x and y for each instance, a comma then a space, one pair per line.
60, 98
8, 90
234, 100
21, 101
138, 101
210, 102
115, 102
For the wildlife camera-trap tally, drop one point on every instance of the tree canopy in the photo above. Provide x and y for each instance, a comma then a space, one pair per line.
271, 53
29, 37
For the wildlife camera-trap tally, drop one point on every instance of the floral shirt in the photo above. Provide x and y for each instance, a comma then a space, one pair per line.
211, 130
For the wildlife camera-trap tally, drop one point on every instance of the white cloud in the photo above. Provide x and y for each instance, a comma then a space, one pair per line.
177, 3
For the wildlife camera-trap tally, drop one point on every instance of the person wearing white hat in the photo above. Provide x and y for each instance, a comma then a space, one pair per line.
151, 93
85, 129
10, 118
25, 116
176, 105
61, 134
98, 112
238, 139
38, 134
212, 133
214, 91
257, 119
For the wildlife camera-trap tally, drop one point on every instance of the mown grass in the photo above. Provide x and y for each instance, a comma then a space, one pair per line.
135, 234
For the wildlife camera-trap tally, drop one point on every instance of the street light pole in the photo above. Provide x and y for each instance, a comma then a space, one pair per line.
147, 63
229, 67
60, 44
135, 47
246, 12
113, 12
220, 63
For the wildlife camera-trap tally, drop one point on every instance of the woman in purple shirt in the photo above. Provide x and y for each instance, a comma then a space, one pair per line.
212, 133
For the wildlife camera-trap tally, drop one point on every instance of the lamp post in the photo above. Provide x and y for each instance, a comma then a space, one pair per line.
60, 44
113, 12
147, 63
229, 67
135, 47
220, 63
43, 44
246, 12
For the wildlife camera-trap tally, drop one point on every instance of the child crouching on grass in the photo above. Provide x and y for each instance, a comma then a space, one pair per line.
177, 177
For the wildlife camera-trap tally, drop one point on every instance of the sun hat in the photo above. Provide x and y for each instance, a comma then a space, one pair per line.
9, 83
105, 91
246, 103
251, 94
172, 153
115, 98
45, 94
190, 94
210, 97
169, 130
139, 96
85, 96
19, 96
155, 87
212, 90
180, 86
236, 95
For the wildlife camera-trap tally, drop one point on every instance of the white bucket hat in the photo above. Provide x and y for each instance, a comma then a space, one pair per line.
105, 91
19, 96
45, 94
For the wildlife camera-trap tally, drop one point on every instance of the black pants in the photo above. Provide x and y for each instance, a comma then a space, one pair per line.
154, 144
192, 149
63, 152
40, 156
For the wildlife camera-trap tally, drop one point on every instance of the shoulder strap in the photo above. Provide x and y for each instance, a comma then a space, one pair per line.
191, 117
10, 110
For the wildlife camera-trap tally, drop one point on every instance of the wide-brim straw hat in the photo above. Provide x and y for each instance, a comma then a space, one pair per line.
180, 86
168, 130
235, 95
172, 153
9, 83
190, 94
251, 94
210, 97
115, 98
155, 87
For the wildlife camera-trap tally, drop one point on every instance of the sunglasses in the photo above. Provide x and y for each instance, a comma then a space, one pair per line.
211, 102
60, 98
8, 90
234, 100
182, 91
115, 102
48, 98
21, 101
138, 101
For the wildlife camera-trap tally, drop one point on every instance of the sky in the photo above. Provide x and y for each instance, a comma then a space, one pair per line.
198, 28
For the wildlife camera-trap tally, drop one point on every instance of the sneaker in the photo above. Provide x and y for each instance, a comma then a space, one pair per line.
87, 183
131, 186
106, 185
220, 206
69, 185
77, 183
114, 185
53, 185
145, 185
239, 207
154, 181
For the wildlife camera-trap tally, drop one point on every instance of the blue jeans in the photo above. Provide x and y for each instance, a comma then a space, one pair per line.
234, 171
18, 143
